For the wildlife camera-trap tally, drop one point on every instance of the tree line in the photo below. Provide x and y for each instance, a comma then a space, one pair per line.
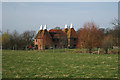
90, 36
17, 41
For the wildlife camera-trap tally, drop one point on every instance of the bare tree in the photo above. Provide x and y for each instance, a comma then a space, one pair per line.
107, 43
89, 37
116, 32
27, 37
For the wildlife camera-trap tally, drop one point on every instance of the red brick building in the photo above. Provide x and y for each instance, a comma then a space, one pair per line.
56, 38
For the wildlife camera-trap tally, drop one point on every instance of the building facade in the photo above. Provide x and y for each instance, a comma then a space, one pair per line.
56, 38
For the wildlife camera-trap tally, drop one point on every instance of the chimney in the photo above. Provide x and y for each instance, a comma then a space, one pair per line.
45, 27
71, 26
41, 27
66, 26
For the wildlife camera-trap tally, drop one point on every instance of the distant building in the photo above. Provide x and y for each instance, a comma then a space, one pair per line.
56, 38
43, 39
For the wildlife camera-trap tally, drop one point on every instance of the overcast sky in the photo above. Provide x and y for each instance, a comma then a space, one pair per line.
30, 15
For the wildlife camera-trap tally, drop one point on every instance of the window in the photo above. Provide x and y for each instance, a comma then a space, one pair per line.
74, 39
36, 46
55, 46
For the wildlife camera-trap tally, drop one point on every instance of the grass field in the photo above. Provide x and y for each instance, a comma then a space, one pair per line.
58, 64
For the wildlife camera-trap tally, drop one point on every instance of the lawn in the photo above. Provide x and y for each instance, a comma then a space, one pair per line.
58, 64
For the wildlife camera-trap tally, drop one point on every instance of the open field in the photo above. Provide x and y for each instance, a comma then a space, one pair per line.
58, 64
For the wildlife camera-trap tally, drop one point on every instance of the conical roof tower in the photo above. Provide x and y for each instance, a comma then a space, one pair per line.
71, 33
47, 39
39, 32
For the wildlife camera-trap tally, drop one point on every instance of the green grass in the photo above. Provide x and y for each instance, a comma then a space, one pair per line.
59, 63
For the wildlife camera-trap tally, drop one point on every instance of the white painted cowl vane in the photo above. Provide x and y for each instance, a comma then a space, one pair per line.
41, 27
66, 26
71, 26
45, 27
